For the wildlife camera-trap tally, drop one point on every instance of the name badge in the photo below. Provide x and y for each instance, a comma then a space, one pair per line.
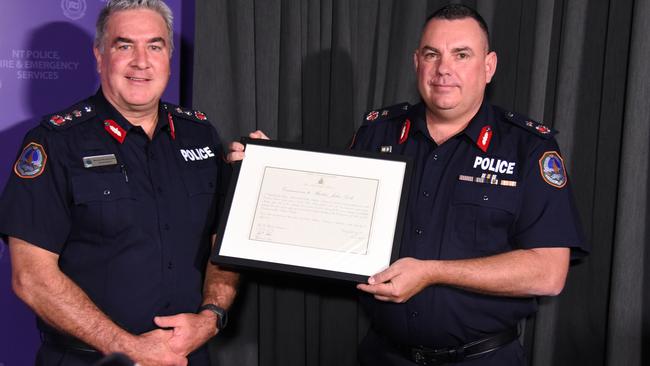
99, 160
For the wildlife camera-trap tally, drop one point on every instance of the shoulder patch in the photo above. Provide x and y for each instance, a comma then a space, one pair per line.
31, 162
551, 167
185, 113
386, 112
69, 117
534, 127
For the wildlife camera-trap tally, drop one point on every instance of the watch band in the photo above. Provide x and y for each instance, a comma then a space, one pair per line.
222, 314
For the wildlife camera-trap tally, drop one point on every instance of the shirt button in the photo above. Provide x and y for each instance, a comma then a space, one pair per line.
166, 226
485, 197
418, 231
107, 192
170, 265
435, 156
160, 190
152, 156
425, 194
414, 314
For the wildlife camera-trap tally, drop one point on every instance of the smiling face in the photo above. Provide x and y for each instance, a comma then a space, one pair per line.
453, 67
134, 60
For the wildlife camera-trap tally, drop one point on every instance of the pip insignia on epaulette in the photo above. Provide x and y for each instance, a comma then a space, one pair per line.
185, 113
71, 116
535, 127
387, 112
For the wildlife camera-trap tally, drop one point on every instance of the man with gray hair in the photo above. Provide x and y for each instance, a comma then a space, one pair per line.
111, 208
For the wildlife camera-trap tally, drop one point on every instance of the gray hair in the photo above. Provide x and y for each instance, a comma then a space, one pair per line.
113, 6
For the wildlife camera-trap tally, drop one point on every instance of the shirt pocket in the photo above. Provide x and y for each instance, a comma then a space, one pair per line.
481, 218
103, 203
201, 185
200, 181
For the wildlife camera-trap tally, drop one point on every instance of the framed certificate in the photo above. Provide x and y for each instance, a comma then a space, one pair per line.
317, 212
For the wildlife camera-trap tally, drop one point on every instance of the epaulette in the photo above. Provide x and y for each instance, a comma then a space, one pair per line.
386, 112
534, 127
69, 117
185, 113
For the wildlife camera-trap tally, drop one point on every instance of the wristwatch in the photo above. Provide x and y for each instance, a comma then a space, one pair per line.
222, 314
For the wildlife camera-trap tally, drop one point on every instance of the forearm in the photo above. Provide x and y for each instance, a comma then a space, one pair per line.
529, 272
220, 285
59, 301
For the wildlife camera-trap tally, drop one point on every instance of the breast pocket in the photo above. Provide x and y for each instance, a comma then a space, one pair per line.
103, 203
201, 185
482, 216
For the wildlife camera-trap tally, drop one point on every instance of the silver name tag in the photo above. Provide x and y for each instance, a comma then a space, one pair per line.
99, 160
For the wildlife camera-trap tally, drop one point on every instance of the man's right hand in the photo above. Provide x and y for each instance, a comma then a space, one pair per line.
236, 149
152, 349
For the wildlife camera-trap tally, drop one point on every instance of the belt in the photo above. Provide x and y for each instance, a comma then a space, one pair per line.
431, 357
67, 342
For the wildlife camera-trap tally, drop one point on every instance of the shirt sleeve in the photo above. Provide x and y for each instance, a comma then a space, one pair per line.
549, 217
34, 204
224, 174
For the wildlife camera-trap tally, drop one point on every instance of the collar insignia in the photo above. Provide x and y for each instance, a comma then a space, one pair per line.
405, 131
115, 130
484, 138
172, 130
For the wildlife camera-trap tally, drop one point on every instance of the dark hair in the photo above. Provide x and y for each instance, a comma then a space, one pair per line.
460, 11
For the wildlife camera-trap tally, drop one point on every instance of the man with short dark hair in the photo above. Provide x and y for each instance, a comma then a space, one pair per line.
111, 208
490, 223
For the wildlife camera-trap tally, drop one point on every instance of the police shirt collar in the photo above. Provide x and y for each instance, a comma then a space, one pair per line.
482, 123
107, 111
417, 115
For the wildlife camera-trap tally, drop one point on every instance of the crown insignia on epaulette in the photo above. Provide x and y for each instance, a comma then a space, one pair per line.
58, 120
186, 113
531, 125
387, 112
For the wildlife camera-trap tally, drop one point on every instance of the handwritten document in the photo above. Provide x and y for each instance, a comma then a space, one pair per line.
316, 210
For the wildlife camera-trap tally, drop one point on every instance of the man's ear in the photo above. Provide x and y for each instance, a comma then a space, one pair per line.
490, 66
415, 60
98, 58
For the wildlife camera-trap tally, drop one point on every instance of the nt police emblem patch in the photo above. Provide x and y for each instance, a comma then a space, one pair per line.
31, 162
551, 166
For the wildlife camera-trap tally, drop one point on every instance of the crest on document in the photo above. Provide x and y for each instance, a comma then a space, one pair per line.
31, 162
552, 169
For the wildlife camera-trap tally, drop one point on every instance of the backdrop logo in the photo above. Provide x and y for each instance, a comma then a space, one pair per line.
73, 9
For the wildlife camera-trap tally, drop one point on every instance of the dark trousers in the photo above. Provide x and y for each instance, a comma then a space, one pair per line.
50, 355
375, 350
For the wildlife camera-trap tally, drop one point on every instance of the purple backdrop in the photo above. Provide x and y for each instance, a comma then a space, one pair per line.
46, 64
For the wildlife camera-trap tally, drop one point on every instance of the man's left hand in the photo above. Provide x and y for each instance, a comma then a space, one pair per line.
190, 331
399, 282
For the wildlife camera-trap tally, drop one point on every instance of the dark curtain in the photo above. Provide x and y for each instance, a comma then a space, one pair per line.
306, 71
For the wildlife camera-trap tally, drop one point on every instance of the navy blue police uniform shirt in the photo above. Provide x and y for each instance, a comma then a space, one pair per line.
497, 186
132, 226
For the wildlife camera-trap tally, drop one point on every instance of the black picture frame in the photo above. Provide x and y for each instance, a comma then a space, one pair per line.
246, 251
